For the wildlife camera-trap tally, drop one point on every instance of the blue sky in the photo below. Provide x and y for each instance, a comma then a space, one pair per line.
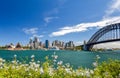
64, 20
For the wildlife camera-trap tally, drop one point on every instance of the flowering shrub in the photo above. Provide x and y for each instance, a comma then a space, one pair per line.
56, 69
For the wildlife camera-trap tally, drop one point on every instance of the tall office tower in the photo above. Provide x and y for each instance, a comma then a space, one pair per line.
57, 43
36, 43
31, 44
69, 44
47, 44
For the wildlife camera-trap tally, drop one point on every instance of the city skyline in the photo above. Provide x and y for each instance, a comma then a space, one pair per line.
47, 45
64, 20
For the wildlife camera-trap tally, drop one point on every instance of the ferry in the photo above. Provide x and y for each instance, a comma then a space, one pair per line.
54, 48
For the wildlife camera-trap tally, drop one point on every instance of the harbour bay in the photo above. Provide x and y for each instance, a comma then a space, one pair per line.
75, 58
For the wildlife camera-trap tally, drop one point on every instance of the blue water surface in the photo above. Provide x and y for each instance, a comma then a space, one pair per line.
75, 58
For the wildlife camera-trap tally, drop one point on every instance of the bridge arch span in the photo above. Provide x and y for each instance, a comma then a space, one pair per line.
108, 33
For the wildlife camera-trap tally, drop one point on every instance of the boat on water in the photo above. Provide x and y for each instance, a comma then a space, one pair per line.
54, 48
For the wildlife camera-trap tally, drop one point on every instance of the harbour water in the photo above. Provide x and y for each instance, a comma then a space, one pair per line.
75, 58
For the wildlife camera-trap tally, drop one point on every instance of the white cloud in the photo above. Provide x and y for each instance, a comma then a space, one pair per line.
38, 36
107, 20
30, 30
84, 26
48, 19
112, 8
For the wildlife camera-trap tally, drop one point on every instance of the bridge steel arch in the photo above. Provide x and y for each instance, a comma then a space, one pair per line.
95, 39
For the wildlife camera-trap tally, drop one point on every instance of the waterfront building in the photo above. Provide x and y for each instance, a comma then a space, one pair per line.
10, 47
59, 44
41, 45
31, 44
47, 44
18, 47
34, 44
53, 43
69, 45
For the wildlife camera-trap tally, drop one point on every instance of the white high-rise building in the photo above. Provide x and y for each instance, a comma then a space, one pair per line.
69, 44
34, 44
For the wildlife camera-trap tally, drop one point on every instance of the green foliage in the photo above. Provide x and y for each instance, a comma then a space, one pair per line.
110, 69
25, 47
3, 47
47, 69
78, 48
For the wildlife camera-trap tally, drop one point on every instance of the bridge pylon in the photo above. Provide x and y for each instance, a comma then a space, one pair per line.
85, 47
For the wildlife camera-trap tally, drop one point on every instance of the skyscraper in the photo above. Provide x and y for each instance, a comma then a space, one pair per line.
47, 44
36, 43
69, 45
31, 44
59, 44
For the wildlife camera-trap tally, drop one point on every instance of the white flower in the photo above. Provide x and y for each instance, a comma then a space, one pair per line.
51, 71
91, 71
82, 73
41, 70
26, 65
55, 56
30, 74
54, 53
1, 63
36, 69
38, 61
1, 60
77, 73
27, 69
13, 62
32, 56
13, 67
97, 56
1, 67
33, 63
87, 73
95, 64
15, 55
68, 64
106, 73
54, 60
17, 67
119, 75
68, 70
60, 62
20, 63
17, 61
37, 65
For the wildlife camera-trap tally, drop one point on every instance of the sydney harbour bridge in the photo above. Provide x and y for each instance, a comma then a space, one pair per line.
110, 33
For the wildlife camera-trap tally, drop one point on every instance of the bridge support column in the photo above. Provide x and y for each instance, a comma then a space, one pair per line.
85, 46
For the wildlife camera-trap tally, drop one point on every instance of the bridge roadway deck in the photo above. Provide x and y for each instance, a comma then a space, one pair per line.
111, 40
